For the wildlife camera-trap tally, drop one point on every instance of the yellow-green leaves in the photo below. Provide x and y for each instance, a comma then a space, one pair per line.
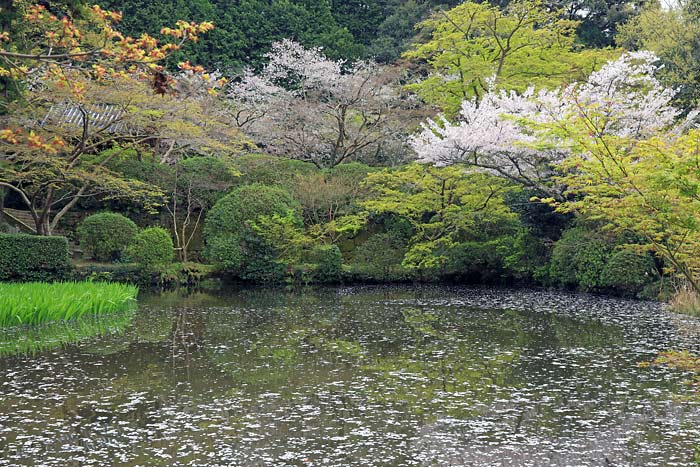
518, 47
647, 186
446, 206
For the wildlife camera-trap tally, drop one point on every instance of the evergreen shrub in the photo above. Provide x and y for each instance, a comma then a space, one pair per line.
151, 247
106, 236
231, 243
33, 258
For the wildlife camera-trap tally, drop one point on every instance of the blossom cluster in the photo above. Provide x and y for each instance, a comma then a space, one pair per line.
502, 132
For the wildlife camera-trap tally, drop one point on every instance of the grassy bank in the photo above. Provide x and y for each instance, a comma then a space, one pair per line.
37, 302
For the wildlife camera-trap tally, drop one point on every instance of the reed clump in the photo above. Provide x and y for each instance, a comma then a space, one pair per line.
686, 301
33, 303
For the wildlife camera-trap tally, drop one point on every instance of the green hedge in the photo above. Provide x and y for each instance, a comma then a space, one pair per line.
33, 258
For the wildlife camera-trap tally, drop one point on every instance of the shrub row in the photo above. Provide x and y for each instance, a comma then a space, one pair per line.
33, 258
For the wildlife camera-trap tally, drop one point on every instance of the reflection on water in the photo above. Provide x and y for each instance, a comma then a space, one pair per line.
34, 339
382, 376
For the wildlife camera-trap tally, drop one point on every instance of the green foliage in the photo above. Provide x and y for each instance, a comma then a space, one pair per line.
231, 240
590, 261
629, 271
645, 186
445, 207
330, 194
285, 234
271, 170
525, 44
578, 259
380, 257
33, 303
328, 263
106, 236
162, 276
673, 34
480, 261
33, 258
152, 247
528, 257
246, 28
205, 178
145, 168
260, 262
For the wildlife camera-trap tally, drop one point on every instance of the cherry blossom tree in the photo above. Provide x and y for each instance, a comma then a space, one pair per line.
523, 136
305, 106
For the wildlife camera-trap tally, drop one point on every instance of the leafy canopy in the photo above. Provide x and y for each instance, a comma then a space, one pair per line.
446, 207
477, 47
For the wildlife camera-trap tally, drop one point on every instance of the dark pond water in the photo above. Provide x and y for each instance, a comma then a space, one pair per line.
358, 377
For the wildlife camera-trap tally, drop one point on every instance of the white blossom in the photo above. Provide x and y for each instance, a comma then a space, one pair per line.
306, 106
500, 132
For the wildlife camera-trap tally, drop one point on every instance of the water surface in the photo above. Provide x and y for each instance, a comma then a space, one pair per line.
362, 376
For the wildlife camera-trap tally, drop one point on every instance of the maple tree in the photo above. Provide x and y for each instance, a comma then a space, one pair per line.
87, 95
647, 186
447, 208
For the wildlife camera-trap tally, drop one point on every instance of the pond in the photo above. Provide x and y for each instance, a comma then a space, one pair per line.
358, 376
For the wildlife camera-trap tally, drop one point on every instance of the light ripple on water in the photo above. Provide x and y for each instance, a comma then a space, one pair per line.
361, 376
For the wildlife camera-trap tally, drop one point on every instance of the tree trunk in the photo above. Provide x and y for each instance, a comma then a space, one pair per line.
43, 226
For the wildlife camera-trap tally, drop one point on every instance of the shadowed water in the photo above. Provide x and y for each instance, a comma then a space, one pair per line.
380, 376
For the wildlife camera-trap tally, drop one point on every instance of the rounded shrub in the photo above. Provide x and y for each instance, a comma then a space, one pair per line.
106, 236
629, 272
578, 259
231, 244
152, 246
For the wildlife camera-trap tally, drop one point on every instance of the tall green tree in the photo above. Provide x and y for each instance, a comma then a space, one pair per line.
477, 47
598, 20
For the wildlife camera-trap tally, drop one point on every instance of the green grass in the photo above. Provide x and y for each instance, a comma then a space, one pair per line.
33, 303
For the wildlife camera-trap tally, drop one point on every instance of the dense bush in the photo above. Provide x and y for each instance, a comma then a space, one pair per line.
628, 271
578, 259
528, 258
33, 258
329, 263
231, 242
151, 247
479, 261
271, 170
106, 236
